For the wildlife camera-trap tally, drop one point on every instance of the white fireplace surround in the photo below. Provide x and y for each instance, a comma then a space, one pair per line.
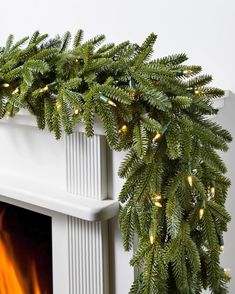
66, 180
73, 192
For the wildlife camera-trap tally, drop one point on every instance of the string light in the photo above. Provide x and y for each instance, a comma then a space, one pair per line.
151, 236
123, 129
221, 242
213, 191
158, 204
76, 60
77, 110
187, 72
209, 192
58, 105
45, 89
132, 84
156, 137
201, 212
133, 93
162, 131
190, 181
151, 239
156, 199
198, 91
110, 102
107, 100
5, 85
16, 91
202, 208
227, 274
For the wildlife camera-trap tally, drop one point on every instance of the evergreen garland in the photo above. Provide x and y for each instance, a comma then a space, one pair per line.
175, 190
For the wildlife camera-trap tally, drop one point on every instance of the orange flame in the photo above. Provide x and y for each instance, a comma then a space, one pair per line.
12, 281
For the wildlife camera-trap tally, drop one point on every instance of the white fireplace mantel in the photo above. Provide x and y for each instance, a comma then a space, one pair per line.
68, 181
57, 199
30, 190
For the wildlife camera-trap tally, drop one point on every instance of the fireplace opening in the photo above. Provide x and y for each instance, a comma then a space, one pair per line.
25, 251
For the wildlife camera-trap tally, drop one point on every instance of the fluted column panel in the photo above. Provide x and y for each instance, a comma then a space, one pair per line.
86, 173
86, 176
87, 257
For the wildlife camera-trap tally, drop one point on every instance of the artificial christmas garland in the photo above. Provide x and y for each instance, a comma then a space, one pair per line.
175, 190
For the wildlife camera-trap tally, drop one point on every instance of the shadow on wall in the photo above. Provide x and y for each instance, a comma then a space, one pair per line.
225, 118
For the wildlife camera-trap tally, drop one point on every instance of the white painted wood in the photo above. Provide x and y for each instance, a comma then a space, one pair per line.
219, 103
24, 118
55, 199
60, 254
86, 177
73, 193
67, 176
88, 258
86, 167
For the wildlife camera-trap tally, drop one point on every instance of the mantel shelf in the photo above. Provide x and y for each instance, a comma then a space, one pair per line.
25, 118
56, 199
218, 103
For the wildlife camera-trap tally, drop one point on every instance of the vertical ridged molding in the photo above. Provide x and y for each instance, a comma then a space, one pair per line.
86, 176
86, 167
88, 254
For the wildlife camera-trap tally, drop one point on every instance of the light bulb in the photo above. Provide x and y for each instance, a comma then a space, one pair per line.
151, 239
58, 105
156, 137
107, 100
198, 91
186, 71
213, 191
132, 93
110, 102
190, 180
201, 212
45, 89
123, 129
227, 273
158, 197
158, 204
222, 248
76, 111
5, 85
15, 91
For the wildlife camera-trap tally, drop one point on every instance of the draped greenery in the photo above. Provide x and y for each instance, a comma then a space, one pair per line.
173, 198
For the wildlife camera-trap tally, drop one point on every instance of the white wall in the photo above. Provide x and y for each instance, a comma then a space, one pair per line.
203, 29
226, 118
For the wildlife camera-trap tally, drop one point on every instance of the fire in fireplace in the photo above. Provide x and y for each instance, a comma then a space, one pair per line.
25, 251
